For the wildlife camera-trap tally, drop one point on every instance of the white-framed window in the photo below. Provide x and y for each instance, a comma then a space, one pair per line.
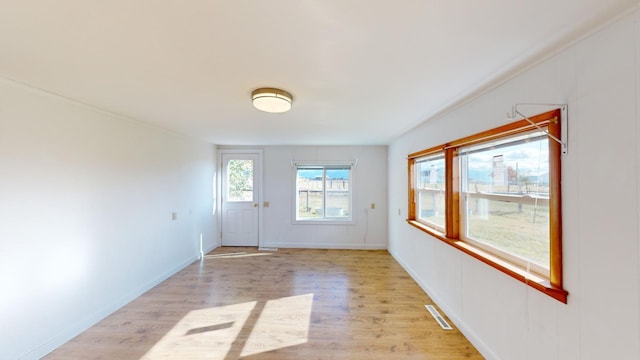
323, 193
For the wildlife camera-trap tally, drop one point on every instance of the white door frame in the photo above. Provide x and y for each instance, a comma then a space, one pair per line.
260, 185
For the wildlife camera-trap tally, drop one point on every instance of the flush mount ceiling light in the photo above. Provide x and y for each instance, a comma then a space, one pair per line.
271, 100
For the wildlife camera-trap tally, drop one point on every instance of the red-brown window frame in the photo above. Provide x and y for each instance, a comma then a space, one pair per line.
551, 286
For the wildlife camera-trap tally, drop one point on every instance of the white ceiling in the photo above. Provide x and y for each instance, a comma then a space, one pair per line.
360, 71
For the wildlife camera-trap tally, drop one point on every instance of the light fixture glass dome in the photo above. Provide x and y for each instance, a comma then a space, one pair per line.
271, 100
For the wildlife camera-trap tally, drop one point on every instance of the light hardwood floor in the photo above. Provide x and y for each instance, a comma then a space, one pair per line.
285, 304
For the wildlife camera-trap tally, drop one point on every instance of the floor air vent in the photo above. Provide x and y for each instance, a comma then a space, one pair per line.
436, 315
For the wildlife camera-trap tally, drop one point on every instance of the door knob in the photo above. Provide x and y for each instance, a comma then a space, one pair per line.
255, 204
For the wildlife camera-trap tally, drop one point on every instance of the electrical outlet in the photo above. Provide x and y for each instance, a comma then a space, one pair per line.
174, 216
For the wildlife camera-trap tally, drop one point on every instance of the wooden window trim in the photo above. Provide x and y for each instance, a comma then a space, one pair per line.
552, 286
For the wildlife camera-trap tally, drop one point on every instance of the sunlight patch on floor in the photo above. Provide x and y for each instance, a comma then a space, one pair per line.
213, 331
206, 331
283, 322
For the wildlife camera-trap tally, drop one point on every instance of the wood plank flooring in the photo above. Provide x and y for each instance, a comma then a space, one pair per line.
241, 303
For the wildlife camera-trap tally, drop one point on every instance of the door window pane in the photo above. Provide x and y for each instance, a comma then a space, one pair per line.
240, 180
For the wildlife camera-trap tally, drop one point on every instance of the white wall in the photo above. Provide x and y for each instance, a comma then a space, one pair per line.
369, 230
598, 78
86, 203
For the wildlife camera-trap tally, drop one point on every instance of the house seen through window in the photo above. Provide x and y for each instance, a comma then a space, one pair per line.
505, 198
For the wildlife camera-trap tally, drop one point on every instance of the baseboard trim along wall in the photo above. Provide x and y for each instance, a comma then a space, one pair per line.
69, 332
357, 246
468, 333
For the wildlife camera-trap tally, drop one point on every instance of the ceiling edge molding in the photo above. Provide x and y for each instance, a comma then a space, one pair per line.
527, 61
90, 107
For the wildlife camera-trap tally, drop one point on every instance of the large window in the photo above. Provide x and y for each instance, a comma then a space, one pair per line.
323, 193
505, 198
496, 196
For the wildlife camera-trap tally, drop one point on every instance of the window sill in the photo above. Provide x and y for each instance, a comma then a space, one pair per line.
539, 283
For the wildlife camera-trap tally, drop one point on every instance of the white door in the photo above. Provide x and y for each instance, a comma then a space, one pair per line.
240, 199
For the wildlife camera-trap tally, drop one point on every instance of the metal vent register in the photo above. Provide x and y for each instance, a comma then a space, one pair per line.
436, 315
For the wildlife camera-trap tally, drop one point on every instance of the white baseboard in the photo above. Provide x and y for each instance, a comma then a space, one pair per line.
355, 246
69, 332
210, 248
466, 331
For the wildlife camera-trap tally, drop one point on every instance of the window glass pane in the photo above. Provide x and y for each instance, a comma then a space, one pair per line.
337, 192
309, 185
240, 180
505, 186
494, 223
430, 190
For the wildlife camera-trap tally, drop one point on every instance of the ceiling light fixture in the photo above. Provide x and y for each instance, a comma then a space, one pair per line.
271, 100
